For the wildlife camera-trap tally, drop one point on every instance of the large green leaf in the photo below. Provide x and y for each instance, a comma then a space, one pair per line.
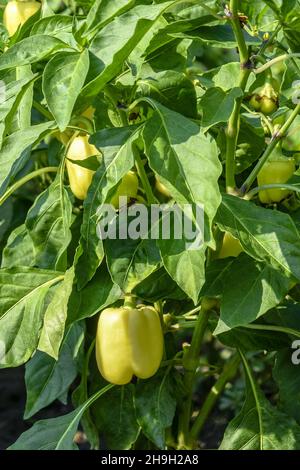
112, 45
55, 433
172, 89
266, 235
19, 246
31, 50
260, 426
63, 78
119, 427
57, 26
287, 377
55, 317
14, 90
217, 105
254, 289
116, 146
15, 151
97, 294
103, 12
155, 405
23, 303
48, 223
47, 379
133, 259
187, 163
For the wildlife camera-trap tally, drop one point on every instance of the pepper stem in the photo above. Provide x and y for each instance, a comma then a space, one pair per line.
130, 301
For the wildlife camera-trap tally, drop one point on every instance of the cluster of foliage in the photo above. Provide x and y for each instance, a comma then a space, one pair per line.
172, 101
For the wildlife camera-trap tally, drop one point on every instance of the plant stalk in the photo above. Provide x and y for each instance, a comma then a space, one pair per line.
274, 141
25, 179
190, 363
233, 128
229, 372
143, 176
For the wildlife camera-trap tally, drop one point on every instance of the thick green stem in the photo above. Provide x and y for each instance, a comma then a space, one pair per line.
275, 139
42, 110
228, 374
25, 179
265, 187
232, 133
272, 62
190, 363
233, 128
130, 301
238, 32
143, 176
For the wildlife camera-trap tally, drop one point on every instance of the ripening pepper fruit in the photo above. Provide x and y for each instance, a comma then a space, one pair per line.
265, 99
129, 342
275, 172
127, 188
161, 188
80, 178
231, 246
17, 13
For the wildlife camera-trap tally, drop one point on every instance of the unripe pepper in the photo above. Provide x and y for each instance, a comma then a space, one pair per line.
127, 188
80, 178
275, 172
265, 99
161, 188
129, 342
231, 246
17, 13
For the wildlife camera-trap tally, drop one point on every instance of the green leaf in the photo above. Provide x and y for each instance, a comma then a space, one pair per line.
185, 159
31, 50
155, 406
158, 286
187, 164
116, 146
172, 89
112, 45
217, 105
266, 235
92, 163
55, 317
14, 90
22, 113
55, 433
119, 427
226, 77
260, 426
19, 246
47, 379
104, 11
218, 36
132, 260
254, 289
63, 78
92, 299
57, 26
254, 340
23, 303
48, 223
286, 375
15, 151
